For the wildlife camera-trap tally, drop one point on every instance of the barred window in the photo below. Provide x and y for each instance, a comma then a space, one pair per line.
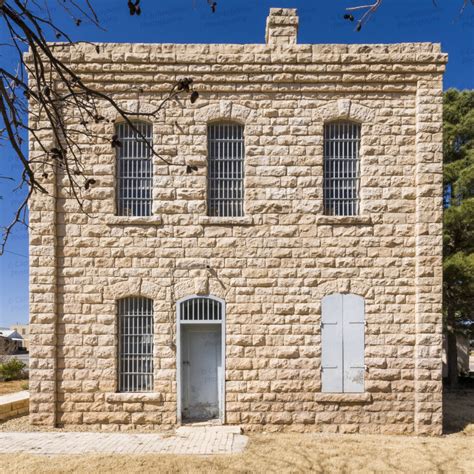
226, 169
341, 168
201, 309
134, 170
135, 334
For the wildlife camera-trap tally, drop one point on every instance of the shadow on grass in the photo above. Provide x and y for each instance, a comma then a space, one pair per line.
458, 408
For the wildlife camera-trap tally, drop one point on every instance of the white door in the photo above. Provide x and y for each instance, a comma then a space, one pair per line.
202, 371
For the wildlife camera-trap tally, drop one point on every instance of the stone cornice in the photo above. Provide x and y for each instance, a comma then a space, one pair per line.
241, 53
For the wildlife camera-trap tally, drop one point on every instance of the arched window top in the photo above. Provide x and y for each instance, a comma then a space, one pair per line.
137, 120
226, 121
206, 309
132, 303
342, 121
134, 143
134, 168
339, 301
225, 129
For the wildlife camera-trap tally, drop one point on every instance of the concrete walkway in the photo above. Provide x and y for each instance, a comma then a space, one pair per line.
187, 440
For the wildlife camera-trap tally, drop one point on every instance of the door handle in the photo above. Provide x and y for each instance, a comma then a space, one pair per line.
186, 362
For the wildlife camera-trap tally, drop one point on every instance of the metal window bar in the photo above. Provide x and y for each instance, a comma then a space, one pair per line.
134, 170
135, 331
200, 309
341, 168
225, 169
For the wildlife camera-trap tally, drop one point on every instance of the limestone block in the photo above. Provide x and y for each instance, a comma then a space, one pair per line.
201, 286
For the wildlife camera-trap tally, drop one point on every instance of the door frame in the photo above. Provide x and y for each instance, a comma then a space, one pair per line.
179, 371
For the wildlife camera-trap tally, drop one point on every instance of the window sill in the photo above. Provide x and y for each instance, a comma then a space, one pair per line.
149, 397
210, 220
343, 397
133, 220
344, 220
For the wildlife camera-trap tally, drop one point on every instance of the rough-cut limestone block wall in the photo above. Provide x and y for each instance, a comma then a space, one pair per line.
42, 285
429, 186
273, 266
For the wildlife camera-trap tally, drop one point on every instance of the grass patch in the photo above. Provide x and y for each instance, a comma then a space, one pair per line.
277, 453
13, 386
12, 369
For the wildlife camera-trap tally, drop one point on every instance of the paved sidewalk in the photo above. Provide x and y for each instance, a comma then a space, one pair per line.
187, 440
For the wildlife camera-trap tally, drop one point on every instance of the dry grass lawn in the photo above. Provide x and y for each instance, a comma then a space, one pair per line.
282, 453
279, 453
13, 386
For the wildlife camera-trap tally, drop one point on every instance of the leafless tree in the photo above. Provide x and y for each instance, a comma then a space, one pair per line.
368, 11
51, 86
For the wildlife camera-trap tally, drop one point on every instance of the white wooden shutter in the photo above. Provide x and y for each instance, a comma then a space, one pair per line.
331, 342
353, 342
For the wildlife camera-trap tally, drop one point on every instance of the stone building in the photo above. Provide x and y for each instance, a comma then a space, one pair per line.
281, 270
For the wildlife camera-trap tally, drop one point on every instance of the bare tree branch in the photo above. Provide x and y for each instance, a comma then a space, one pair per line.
372, 8
52, 87
369, 11
465, 4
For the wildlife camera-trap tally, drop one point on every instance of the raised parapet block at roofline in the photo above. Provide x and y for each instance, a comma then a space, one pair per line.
282, 26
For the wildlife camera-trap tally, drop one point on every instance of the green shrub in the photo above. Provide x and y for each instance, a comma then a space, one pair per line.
12, 370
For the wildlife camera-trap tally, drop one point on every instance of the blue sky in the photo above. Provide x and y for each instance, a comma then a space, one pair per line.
236, 21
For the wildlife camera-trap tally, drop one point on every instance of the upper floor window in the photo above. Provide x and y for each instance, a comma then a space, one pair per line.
134, 170
341, 168
135, 336
225, 170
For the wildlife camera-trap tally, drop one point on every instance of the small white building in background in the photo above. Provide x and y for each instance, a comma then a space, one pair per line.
13, 335
24, 331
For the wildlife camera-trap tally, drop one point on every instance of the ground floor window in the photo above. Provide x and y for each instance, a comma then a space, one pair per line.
135, 349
